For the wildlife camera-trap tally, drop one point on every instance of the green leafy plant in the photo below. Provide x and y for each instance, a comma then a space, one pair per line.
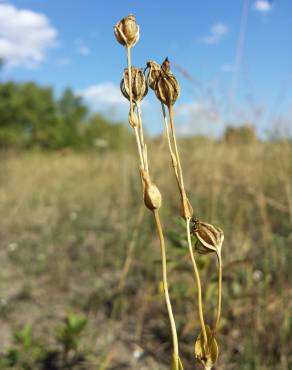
26, 353
69, 333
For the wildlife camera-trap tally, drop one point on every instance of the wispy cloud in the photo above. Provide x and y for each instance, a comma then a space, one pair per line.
216, 33
25, 36
81, 47
227, 67
103, 95
84, 50
197, 117
263, 6
63, 61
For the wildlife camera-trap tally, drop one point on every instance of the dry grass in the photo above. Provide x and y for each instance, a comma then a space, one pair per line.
67, 224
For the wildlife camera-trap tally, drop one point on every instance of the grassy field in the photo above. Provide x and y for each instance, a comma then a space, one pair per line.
77, 248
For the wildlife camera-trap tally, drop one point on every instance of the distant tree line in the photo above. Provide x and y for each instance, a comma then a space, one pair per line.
31, 116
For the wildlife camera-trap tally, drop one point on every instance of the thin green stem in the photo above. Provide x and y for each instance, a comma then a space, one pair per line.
165, 285
197, 277
219, 302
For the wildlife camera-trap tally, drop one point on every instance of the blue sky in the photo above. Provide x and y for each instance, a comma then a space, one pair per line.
237, 52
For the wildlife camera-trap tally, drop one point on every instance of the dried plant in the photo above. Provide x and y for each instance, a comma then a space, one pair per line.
134, 87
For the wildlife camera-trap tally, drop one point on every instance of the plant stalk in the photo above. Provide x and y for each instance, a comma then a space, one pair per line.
219, 302
197, 277
165, 285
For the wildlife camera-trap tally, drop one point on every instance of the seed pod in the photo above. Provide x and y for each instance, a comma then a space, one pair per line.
152, 195
133, 119
207, 353
127, 31
186, 209
138, 84
166, 87
210, 237
153, 73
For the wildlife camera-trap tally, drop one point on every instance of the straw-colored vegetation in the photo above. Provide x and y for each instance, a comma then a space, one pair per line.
75, 239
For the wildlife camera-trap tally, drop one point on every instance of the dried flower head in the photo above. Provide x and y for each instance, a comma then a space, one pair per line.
166, 86
207, 353
153, 73
210, 237
127, 31
152, 195
138, 84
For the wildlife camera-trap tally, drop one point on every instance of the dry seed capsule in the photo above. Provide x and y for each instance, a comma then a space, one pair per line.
207, 353
166, 87
186, 209
153, 73
152, 195
210, 237
133, 119
138, 84
127, 31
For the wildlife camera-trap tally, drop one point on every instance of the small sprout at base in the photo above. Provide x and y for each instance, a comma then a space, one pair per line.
138, 84
210, 237
152, 196
207, 353
153, 73
166, 86
127, 31
133, 119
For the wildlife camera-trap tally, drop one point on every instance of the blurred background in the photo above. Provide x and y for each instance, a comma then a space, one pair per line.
80, 277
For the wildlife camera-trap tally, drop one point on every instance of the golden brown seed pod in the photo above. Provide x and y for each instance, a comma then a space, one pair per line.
210, 237
186, 209
138, 83
207, 353
166, 86
133, 119
153, 73
152, 195
127, 31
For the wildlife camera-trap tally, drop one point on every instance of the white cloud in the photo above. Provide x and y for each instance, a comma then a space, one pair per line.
263, 6
217, 32
25, 36
198, 117
84, 50
103, 95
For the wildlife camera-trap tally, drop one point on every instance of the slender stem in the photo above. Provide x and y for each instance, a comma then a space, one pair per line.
219, 302
173, 157
141, 135
197, 277
176, 151
139, 148
130, 78
130, 250
131, 106
140, 124
165, 285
